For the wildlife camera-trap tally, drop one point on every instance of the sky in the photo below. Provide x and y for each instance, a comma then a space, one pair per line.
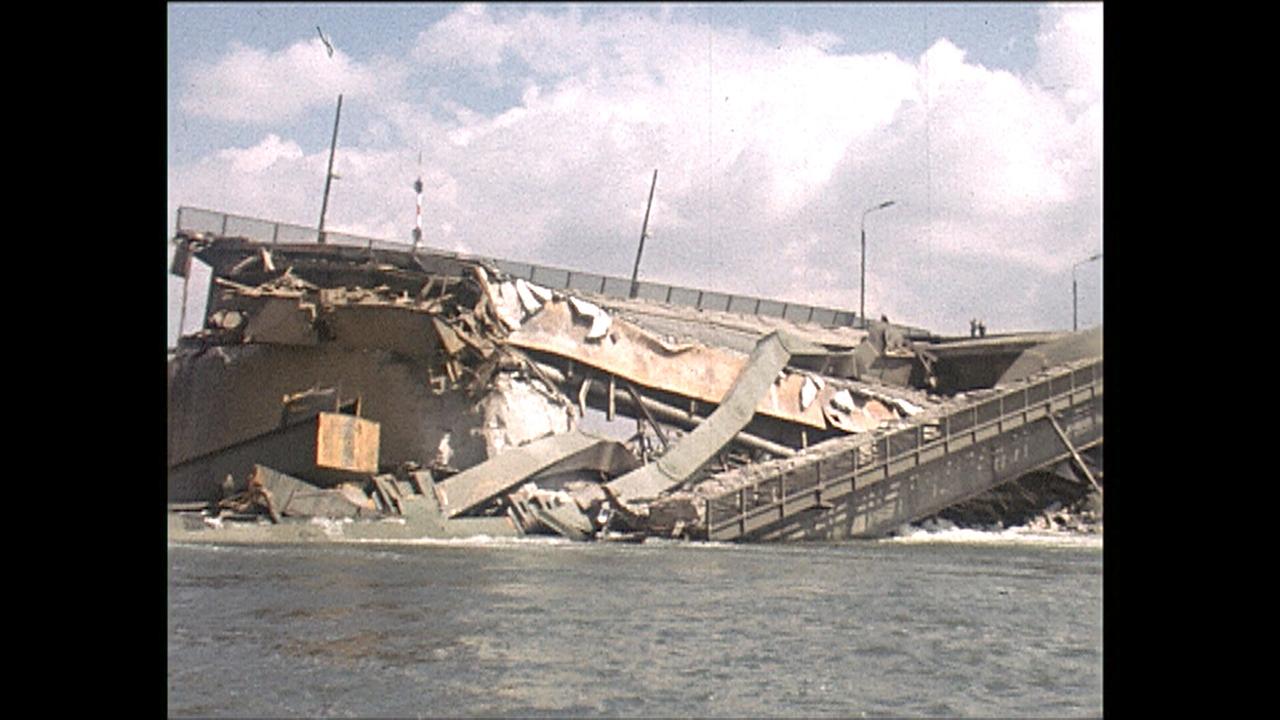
773, 128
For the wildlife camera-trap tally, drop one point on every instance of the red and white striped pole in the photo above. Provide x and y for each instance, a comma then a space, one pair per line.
417, 225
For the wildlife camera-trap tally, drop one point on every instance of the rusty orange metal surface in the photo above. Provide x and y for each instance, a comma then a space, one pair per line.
347, 443
694, 371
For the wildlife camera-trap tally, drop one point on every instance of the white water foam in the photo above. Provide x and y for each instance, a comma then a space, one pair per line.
332, 527
943, 531
546, 541
476, 541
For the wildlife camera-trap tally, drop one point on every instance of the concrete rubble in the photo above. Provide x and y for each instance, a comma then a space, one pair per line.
342, 392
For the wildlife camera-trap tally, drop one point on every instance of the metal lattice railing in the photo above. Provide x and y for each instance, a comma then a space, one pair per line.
877, 458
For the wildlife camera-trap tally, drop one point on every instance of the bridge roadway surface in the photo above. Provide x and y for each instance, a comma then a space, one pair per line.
869, 485
191, 219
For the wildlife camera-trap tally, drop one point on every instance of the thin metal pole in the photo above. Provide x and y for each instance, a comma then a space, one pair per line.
186, 283
1074, 315
862, 291
644, 231
328, 178
862, 283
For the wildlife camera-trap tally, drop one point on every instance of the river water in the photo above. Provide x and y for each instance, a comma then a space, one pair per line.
952, 624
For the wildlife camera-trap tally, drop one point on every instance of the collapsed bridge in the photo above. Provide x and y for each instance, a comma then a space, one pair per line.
410, 392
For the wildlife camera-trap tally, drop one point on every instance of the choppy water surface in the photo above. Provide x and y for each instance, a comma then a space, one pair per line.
950, 624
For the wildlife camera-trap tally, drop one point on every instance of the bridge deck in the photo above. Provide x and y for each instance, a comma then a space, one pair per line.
192, 219
872, 485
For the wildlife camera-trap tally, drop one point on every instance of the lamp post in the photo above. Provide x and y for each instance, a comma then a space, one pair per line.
862, 291
1074, 293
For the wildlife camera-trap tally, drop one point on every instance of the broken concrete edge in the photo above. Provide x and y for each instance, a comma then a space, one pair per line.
385, 507
406, 257
702, 373
382, 496
801, 395
326, 448
381, 514
282, 495
565, 520
507, 302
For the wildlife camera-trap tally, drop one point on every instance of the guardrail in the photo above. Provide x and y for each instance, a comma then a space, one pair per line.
746, 509
260, 230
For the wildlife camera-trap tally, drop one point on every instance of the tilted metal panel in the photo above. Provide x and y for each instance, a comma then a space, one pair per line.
516, 269
823, 316
197, 220
550, 277
770, 308
714, 301
258, 230
616, 287
1060, 385
687, 297
652, 291
987, 411
294, 234
797, 313
586, 282
743, 305
346, 240
1037, 393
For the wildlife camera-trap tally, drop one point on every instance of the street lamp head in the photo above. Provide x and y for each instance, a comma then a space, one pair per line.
1091, 258
862, 291
873, 208
881, 206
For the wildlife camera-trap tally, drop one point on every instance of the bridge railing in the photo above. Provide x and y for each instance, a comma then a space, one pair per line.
268, 231
877, 458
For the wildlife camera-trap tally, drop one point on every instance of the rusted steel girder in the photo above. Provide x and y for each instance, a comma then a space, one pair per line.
693, 371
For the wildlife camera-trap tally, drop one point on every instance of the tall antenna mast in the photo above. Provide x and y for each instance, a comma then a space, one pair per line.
333, 144
328, 178
644, 232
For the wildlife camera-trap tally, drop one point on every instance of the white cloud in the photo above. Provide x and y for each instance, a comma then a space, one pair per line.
271, 179
468, 36
253, 86
1070, 57
767, 154
994, 142
262, 156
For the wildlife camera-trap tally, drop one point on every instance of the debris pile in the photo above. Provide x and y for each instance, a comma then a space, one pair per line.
338, 382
